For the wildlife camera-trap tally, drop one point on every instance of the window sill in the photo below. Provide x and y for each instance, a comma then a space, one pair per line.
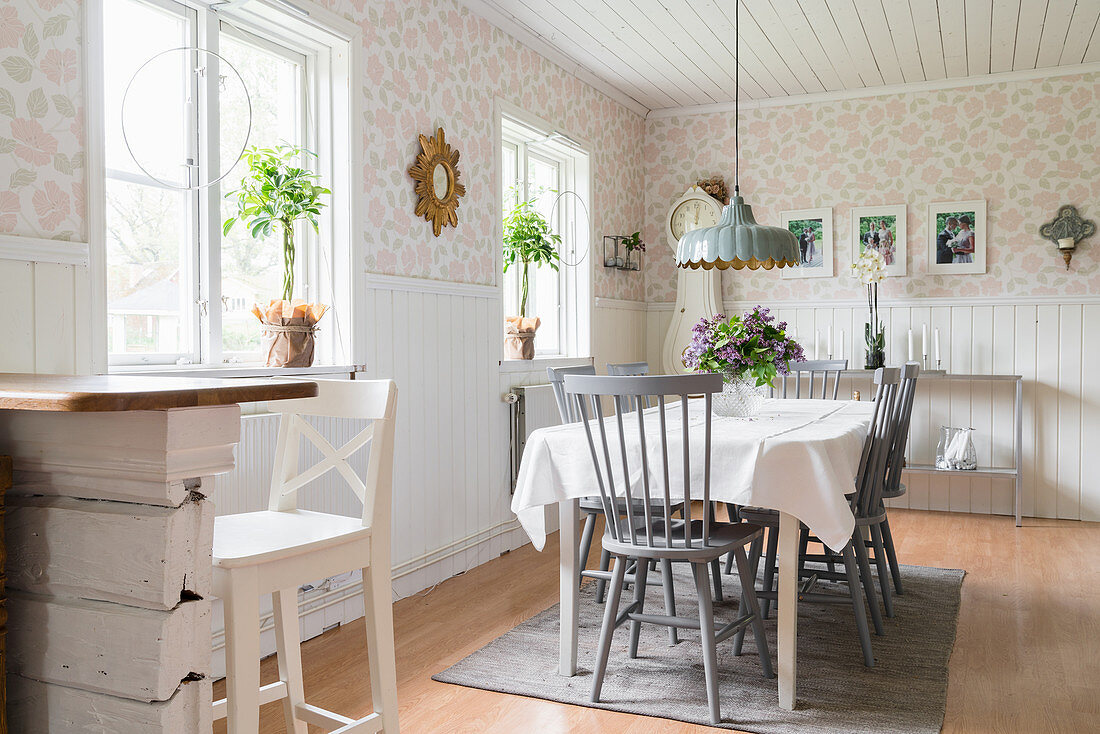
541, 363
230, 371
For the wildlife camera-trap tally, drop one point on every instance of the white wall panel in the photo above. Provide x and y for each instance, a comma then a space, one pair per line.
1047, 341
46, 327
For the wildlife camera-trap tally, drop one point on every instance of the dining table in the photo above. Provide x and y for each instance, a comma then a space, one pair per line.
799, 457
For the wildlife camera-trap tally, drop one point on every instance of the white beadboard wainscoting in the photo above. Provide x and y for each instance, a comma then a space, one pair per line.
46, 289
1052, 342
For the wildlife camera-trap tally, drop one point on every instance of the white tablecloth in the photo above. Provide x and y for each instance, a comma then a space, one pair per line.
796, 456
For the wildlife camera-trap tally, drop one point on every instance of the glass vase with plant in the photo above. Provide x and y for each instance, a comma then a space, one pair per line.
634, 246
870, 270
276, 193
748, 350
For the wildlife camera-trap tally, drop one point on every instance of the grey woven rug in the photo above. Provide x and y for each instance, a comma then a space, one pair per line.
905, 692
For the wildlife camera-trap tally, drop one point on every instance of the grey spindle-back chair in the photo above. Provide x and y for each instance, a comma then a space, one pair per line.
809, 371
592, 507
654, 534
894, 488
630, 369
866, 504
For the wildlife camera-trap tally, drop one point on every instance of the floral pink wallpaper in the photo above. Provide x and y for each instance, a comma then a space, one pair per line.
1025, 147
432, 62
425, 63
41, 120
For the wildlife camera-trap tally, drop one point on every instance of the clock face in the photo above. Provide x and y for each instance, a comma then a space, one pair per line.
692, 214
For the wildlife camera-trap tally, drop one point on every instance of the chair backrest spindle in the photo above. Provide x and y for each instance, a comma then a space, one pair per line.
809, 370
874, 460
627, 392
566, 408
371, 400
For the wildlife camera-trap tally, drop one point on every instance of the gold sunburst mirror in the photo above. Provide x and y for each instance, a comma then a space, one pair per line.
436, 175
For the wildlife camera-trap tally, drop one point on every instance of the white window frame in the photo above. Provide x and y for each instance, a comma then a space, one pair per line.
330, 45
575, 283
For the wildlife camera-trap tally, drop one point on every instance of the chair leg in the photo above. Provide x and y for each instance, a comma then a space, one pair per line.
242, 654
803, 544
754, 563
883, 572
710, 647
748, 597
378, 608
891, 555
670, 598
288, 650
601, 585
857, 603
607, 630
864, 562
640, 577
586, 538
769, 569
716, 572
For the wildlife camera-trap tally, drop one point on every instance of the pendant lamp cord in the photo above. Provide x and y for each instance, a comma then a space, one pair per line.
737, 98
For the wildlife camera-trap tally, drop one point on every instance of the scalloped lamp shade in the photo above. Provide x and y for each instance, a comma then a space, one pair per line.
737, 242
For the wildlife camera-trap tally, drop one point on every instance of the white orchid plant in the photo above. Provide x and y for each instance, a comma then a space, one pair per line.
870, 270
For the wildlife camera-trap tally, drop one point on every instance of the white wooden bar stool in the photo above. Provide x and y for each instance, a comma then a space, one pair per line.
282, 548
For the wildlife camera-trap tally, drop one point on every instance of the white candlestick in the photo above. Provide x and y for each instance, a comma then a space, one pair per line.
829, 343
924, 340
817, 343
910, 345
936, 347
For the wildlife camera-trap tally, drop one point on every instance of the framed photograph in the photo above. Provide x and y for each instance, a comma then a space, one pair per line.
813, 228
956, 237
881, 228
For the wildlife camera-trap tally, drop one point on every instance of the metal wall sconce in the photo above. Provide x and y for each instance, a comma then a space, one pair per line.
617, 255
1066, 230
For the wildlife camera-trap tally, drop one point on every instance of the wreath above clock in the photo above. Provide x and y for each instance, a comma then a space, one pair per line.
436, 175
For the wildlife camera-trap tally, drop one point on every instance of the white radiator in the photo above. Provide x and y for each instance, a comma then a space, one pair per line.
532, 407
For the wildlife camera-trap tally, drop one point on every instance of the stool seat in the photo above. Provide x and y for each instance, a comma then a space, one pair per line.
250, 538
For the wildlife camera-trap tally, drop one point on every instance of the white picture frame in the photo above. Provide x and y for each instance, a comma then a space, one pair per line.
896, 250
974, 210
820, 250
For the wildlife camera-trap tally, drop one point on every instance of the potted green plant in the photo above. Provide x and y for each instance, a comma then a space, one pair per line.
528, 241
275, 194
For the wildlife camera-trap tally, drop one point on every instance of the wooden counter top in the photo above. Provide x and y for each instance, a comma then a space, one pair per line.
127, 392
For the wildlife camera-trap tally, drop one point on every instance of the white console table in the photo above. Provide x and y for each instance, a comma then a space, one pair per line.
998, 472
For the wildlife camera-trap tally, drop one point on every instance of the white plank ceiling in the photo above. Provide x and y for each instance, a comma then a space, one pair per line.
676, 53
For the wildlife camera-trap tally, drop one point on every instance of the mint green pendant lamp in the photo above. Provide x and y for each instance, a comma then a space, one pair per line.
737, 241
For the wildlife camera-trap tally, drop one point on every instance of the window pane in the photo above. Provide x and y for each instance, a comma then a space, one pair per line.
252, 269
543, 183
158, 100
148, 270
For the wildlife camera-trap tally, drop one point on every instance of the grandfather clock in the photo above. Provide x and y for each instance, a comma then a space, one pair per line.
698, 292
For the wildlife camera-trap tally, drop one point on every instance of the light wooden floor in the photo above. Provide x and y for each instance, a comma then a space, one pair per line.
1027, 656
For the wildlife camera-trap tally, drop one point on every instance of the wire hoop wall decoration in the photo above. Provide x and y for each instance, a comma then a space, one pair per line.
575, 260
190, 163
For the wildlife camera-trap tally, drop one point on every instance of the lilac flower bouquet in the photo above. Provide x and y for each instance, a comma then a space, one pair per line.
747, 347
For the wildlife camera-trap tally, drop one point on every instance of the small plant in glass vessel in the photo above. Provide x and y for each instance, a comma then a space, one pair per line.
749, 351
870, 270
